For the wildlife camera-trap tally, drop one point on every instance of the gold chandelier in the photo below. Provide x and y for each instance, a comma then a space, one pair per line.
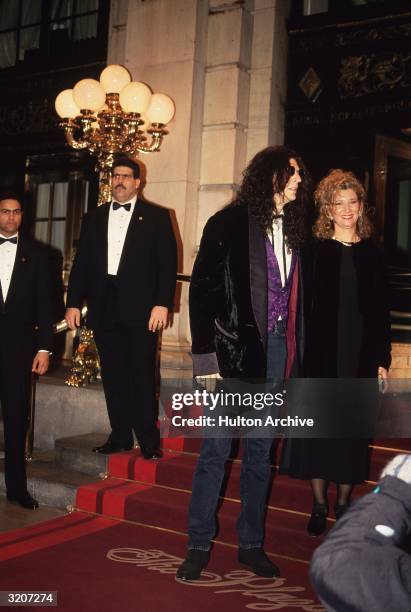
113, 116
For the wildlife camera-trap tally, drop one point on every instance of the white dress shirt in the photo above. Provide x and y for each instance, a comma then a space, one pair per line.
278, 237
7, 258
118, 222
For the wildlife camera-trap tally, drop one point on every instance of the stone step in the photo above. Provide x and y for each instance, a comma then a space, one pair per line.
51, 484
75, 454
66, 411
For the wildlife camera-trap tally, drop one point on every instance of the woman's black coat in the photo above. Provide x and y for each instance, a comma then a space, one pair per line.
322, 309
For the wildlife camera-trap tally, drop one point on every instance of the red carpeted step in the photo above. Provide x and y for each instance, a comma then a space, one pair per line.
157, 493
176, 470
168, 509
180, 443
193, 445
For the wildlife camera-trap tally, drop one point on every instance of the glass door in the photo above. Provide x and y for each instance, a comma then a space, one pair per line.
393, 208
59, 190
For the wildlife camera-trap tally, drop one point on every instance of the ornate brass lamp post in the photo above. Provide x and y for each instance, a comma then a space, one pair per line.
112, 116
108, 117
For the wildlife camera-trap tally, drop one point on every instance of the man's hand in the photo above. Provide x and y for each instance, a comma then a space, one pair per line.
73, 316
209, 381
40, 363
158, 318
383, 379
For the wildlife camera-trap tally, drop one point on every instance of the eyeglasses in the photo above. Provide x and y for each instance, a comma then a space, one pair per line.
122, 176
15, 212
291, 170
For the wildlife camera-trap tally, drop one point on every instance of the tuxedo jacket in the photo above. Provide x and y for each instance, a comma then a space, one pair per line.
146, 275
26, 314
229, 297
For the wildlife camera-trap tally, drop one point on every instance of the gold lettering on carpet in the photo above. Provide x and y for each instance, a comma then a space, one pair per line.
268, 593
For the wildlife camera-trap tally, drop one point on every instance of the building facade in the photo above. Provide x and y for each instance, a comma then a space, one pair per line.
330, 78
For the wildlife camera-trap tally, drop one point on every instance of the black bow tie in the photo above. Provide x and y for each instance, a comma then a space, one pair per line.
117, 205
12, 240
278, 216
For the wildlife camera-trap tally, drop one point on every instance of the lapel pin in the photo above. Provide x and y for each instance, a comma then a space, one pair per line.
23, 259
140, 218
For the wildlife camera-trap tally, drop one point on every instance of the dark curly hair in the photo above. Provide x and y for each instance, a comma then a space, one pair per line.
266, 174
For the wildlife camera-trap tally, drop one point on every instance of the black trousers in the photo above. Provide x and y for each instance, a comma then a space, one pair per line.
16, 356
128, 366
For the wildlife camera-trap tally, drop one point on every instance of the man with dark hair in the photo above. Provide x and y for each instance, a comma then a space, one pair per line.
26, 337
246, 322
125, 269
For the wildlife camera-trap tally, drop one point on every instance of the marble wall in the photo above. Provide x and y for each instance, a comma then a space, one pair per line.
224, 64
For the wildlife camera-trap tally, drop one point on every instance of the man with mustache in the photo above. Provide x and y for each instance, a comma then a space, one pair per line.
125, 270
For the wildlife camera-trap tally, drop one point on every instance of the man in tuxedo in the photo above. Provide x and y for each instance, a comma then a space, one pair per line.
26, 337
125, 269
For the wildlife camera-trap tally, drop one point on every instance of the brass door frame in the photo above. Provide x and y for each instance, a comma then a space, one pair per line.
385, 147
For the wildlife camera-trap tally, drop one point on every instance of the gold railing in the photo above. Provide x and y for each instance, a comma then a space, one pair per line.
398, 314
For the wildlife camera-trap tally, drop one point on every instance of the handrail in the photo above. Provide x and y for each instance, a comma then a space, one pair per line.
399, 314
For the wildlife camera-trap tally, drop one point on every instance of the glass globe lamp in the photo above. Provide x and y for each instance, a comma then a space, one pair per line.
88, 94
161, 109
135, 97
114, 78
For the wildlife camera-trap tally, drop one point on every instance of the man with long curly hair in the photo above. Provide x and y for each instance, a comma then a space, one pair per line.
246, 323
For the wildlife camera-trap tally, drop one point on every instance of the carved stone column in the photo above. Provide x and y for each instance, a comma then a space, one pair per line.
268, 75
164, 44
224, 64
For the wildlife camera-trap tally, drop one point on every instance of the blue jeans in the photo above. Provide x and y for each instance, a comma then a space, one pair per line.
254, 477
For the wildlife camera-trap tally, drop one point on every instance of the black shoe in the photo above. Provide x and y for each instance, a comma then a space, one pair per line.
257, 560
193, 564
339, 510
318, 520
154, 454
110, 447
26, 501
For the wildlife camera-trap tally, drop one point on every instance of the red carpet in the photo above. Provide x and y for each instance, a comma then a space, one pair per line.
101, 564
140, 513
285, 531
176, 470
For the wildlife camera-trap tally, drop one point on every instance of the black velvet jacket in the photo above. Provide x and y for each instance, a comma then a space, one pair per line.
322, 300
228, 299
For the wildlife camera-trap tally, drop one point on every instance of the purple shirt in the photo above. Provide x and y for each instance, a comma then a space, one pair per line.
278, 295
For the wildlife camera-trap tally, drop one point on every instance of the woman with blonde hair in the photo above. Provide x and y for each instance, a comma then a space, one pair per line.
348, 334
